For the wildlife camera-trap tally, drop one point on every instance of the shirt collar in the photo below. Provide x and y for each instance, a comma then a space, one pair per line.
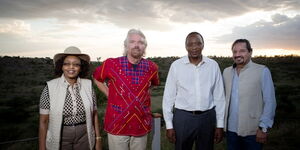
187, 61
125, 57
66, 83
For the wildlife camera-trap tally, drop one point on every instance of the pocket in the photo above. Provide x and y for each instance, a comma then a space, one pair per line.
253, 122
48, 139
253, 116
48, 136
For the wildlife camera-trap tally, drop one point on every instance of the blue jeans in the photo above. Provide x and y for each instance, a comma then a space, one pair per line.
235, 142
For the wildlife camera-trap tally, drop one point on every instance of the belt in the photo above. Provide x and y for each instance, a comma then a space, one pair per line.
75, 124
197, 112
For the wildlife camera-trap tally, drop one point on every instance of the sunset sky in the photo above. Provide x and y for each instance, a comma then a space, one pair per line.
42, 28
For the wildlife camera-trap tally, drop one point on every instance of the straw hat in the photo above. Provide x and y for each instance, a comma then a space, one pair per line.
72, 50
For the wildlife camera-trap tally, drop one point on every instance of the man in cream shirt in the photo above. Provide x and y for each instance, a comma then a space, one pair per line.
250, 97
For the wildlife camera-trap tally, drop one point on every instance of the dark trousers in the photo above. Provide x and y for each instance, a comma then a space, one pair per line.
235, 142
74, 138
194, 128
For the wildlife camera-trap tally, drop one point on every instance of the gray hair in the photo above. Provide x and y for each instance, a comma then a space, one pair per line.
130, 32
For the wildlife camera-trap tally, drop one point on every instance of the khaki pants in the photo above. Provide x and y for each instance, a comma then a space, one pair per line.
118, 142
75, 138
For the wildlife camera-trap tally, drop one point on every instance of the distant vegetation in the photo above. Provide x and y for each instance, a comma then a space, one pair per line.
22, 80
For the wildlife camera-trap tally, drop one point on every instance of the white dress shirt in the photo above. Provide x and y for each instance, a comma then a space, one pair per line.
194, 88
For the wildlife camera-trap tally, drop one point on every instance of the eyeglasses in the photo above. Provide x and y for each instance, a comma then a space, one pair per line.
69, 64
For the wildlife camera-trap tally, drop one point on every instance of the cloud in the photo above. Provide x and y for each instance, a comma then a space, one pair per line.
14, 27
13, 33
40, 9
281, 32
149, 14
17, 36
72, 19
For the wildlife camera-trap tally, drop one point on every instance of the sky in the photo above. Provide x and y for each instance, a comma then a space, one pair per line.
42, 28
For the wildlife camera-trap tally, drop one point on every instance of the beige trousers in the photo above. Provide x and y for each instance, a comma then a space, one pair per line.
118, 142
75, 138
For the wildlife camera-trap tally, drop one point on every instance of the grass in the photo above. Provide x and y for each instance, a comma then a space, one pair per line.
22, 80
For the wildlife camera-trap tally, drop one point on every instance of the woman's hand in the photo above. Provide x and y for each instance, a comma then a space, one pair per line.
98, 145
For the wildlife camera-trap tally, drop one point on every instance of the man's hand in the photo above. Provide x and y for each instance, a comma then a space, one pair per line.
261, 137
218, 135
171, 135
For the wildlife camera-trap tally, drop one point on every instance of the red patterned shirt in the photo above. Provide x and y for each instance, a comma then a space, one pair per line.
128, 107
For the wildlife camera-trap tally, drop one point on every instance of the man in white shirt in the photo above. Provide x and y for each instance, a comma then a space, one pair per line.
194, 101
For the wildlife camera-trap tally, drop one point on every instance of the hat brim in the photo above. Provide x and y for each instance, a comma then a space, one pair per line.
58, 56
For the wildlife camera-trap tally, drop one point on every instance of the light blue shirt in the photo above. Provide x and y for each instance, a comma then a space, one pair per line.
268, 92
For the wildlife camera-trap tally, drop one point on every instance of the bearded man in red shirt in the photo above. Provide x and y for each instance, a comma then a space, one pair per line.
128, 114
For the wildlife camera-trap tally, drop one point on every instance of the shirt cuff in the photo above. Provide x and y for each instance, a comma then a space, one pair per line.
220, 123
169, 125
44, 111
261, 124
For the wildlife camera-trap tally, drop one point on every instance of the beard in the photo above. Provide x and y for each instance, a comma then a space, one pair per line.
239, 60
136, 53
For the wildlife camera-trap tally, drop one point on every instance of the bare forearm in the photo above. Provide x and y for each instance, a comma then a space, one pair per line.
43, 127
98, 145
102, 87
96, 124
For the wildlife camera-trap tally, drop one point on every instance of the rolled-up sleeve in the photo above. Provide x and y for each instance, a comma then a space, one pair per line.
100, 74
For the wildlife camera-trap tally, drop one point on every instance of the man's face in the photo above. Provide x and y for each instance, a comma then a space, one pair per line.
240, 54
136, 46
194, 46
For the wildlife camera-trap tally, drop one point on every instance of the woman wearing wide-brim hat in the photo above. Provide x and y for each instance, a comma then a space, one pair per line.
68, 110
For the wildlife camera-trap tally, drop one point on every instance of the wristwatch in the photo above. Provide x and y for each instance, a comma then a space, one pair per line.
265, 130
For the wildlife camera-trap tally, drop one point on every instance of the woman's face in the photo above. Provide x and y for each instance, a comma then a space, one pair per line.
71, 67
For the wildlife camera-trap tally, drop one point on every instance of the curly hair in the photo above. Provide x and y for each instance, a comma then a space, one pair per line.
84, 67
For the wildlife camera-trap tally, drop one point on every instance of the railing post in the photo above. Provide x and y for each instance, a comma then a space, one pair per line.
156, 131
